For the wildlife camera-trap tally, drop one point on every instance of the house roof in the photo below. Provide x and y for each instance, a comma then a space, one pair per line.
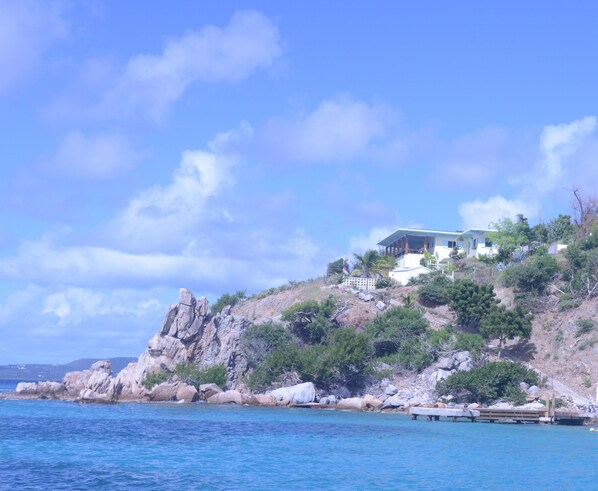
401, 232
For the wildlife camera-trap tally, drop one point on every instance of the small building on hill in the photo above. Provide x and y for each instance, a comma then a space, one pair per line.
409, 246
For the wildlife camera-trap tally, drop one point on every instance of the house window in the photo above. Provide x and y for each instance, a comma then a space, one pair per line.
487, 243
451, 243
475, 243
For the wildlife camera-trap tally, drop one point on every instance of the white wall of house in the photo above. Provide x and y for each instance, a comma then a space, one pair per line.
443, 246
476, 246
409, 260
402, 276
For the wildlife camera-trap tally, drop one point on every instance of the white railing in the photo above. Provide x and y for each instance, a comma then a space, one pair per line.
360, 283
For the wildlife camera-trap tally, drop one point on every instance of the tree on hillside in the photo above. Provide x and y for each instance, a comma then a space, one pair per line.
372, 264
503, 324
560, 229
510, 235
335, 267
365, 264
471, 302
585, 211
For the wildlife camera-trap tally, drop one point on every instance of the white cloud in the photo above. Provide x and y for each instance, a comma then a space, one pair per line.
27, 29
150, 83
558, 143
363, 242
558, 167
189, 232
96, 157
60, 324
339, 129
170, 216
483, 213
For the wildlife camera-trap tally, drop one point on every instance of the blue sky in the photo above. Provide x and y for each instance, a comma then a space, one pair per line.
218, 146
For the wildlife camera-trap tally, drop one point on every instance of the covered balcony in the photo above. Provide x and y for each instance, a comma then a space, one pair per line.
410, 244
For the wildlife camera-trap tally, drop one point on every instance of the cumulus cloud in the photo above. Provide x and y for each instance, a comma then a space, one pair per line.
361, 243
558, 143
192, 231
149, 84
339, 129
27, 29
170, 216
96, 157
77, 322
483, 213
558, 167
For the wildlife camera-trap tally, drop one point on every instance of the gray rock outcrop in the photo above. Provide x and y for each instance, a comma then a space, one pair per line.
296, 394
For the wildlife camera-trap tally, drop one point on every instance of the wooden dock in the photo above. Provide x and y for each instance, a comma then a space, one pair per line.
434, 413
493, 415
514, 415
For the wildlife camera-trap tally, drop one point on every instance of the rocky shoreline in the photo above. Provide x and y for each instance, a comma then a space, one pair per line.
190, 332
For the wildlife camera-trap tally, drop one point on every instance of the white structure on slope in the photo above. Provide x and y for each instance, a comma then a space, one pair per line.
409, 246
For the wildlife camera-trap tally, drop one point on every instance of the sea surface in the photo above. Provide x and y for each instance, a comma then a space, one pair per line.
59, 445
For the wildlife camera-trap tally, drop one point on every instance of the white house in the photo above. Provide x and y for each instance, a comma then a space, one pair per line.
409, 246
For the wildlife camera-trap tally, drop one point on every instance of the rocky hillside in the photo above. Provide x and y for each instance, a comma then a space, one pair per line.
190, 332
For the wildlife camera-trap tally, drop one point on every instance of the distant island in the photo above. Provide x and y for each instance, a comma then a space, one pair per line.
42, 372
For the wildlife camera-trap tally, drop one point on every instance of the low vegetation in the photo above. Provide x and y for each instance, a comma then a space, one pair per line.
226, 299
489, 383
190, 374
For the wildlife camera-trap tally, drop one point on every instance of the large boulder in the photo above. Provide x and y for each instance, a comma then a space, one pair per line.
26, 388
296, 394
351, 404
395, 402
187, 393
371, 402
228, 397
164, 392
265, 400
208, 390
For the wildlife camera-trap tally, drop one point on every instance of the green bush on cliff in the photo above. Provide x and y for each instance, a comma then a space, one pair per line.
261, 339
343, 358
152, 379
189, 373
532, 276
393, 327
311, 320
436, 291
487, 384
226, 299
471, 302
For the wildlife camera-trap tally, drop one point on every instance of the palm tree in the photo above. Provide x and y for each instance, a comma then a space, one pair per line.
365, 264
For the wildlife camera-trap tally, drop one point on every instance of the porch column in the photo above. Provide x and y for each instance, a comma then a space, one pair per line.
425, 243
406, 244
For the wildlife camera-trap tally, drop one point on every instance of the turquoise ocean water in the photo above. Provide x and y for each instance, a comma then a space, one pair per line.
58, 445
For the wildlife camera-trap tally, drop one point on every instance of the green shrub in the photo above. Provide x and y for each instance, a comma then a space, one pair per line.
152, 379
383, 282
471, 302
259, 340
568, 301
503, 324
228, 299
345, 361
191, 374
215, 374
493, 381
474, 343
584, 326
393, 327
335, 267
436, 291
281, 360
310, 320
533, 275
